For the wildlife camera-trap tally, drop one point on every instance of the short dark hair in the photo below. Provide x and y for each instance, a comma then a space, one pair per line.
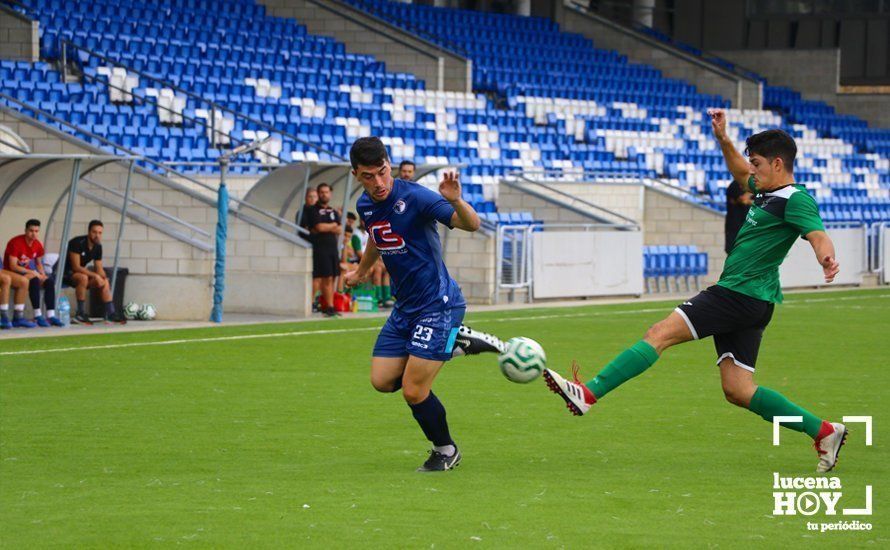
94, 223
406, 163
772, 144
368, 151
351, 216
322, 185
31, 223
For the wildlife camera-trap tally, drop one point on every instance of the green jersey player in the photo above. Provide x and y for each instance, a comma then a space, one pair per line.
738, 308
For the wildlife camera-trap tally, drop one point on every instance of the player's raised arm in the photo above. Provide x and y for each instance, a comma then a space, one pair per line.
369, 258
464, 217
737, 164
824, 249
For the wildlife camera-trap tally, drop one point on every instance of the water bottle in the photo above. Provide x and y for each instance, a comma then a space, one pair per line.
64, 311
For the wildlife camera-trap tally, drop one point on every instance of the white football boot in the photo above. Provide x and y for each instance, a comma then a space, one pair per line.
577, 396
829, 447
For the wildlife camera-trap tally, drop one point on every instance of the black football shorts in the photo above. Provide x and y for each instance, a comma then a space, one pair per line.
736, 322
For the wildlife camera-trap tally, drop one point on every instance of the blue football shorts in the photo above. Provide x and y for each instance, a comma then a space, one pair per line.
428, 334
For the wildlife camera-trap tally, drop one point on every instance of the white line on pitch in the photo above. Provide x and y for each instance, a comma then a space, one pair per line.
360, 329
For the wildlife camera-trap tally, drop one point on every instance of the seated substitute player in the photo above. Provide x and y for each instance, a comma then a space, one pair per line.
81, 252
24, 256
424, 329
738, 308
11, 280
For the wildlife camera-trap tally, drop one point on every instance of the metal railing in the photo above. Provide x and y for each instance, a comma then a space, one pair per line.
18, 9
512, 265
193, 234
578, 204
607, 177
640, 30
515, 254
432, 39
881, 243
685, 194
273, 225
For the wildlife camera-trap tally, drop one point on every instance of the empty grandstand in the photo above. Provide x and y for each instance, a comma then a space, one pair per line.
180, 82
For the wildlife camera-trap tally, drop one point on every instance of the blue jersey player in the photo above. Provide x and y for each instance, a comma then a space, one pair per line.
424, 329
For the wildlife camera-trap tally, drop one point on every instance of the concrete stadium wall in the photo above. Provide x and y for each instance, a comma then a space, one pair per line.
265, 273
511, 199
674, 63
815, 73
665, 219
470, 258
625, 199
19, 36
363, 33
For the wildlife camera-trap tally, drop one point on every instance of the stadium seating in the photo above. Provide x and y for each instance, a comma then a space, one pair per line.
572, 108
672, 263
597, 97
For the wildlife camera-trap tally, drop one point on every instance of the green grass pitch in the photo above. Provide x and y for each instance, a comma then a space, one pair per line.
280, 440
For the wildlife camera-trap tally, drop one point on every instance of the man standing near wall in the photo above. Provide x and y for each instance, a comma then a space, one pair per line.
737, 202
324, 224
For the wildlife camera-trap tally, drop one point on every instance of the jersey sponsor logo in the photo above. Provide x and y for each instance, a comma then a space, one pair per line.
369, 213
385, 239
399, 207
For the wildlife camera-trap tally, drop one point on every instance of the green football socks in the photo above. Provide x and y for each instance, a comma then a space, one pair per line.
629, 363
769, 403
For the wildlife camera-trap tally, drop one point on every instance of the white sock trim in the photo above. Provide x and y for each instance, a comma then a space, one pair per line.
4, 307
20, 307
688, 322
447, 450
734, 360
37, 312
50, 313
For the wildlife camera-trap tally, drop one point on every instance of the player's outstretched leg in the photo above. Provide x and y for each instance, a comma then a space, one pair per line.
631, 362
429, 413
472, 342
740, 389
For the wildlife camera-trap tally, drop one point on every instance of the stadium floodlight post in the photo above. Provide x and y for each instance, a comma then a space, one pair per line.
120, 230
222, 214
59, 269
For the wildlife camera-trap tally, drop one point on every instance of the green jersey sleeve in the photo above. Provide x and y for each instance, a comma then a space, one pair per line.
751, 186
356, 243
802, 213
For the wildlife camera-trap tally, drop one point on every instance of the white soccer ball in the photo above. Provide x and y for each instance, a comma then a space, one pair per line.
147, 312
131, 310
523, 360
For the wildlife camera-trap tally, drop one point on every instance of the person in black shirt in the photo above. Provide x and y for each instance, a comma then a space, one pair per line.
324, 224
737, 202
311, 199
82, 251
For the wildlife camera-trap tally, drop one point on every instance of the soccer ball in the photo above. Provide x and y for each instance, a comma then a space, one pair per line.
523, 360
146, 313
131, 310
